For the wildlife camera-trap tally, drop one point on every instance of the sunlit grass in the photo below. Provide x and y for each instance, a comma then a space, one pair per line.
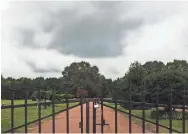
19, 114
176, 124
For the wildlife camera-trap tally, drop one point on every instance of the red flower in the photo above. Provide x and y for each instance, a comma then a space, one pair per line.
84, 92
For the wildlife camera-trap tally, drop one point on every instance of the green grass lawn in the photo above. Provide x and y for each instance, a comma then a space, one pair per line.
176, 124
19, 117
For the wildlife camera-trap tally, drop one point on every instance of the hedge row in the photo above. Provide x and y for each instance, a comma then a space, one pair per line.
135, 107
176, 115
57, 97
63, 96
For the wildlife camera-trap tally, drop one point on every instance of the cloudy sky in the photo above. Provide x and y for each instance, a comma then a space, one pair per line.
41, 38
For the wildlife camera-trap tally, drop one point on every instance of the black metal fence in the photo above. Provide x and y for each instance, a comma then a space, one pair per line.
126, 106
39, 105
167, 103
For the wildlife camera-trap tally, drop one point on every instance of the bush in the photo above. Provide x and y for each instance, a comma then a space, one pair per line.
135, 107
57, 97
63, 96
33, 99
176, 115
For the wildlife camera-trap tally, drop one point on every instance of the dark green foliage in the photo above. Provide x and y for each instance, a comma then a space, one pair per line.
174, 78
165, 82
79, 75
82, 75
152, 77
176, 115
63, 96
135, 106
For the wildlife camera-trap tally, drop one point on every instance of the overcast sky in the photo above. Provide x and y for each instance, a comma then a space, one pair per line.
41, 38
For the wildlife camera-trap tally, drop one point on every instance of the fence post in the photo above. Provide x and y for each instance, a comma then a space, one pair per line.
87, 116
67, 115
183, 121
170, 119
102, 118
94, 117
143, 112
53, 110
25, 110
157, 112
130, 107
12, 112
116, 115
39, 110
81, 108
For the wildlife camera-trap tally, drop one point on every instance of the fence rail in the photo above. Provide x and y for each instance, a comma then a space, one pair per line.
127, 103
42, 118
142, 118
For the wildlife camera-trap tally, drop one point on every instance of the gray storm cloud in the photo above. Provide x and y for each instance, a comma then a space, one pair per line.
108, 34
40, 69
75, 31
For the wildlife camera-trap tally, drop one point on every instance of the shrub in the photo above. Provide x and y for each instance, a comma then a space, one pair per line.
135, 107
176, 115
63, 96
33, 99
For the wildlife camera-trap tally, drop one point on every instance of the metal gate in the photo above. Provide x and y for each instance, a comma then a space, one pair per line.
96, 104
128, 104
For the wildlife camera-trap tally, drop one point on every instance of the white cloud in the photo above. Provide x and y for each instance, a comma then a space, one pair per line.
162, 35
4, 4
164, 41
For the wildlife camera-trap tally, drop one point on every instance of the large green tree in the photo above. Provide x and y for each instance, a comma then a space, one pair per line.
82, 75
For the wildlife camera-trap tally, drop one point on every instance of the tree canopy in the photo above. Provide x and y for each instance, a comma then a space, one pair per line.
152, 77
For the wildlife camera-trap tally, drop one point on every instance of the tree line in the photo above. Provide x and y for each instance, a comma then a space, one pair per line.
151, 77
